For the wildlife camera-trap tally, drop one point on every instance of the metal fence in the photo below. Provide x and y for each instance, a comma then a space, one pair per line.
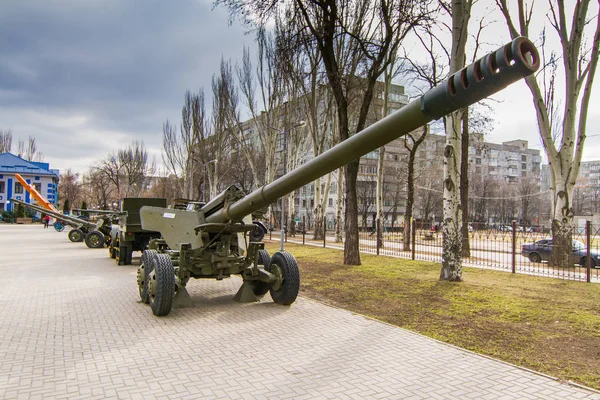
511, 249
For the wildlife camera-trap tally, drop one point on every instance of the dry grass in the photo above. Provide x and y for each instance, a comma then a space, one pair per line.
548, 325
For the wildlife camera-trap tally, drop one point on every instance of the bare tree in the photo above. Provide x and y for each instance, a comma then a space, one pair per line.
6, 137
29, 151
69, 188
452, 238
166, 186
174, 155
305, 78
412, 142
128, 170
182, 151
100, 189
580, 59
136, 168
374, 30
263, 89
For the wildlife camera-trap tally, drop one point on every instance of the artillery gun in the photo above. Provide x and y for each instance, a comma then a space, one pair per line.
95, 235
214, 241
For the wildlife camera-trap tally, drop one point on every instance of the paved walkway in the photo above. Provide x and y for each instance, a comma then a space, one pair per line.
71, 327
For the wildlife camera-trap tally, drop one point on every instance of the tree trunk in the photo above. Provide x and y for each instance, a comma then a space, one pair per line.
340, 210
452, 240
379, 195
318, 232
464, 184
351, 249
410, 198
561, 225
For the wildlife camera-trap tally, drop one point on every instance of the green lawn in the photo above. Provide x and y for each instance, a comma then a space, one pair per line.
548, 325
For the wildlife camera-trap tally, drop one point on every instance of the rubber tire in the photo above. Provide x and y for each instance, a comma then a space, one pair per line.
288, 267
59, 226
94, 240
535, 258
164, 276
583, 263
261, 288
75, 235
146, 268
112, 253
125, 255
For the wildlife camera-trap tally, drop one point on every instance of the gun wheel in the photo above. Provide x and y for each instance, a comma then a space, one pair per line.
261, 288
143, 272
75, 235
285, 289
59, 226
94, 240
160, 285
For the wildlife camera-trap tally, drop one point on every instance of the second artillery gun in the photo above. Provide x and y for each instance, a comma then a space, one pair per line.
215, 241
94, 234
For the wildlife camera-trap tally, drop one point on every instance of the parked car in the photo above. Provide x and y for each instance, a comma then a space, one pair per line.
541, 250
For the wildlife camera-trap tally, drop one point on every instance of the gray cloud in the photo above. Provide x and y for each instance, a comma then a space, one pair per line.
86, 78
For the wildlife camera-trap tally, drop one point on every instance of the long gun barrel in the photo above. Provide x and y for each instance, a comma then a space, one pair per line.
486, 76
67, 219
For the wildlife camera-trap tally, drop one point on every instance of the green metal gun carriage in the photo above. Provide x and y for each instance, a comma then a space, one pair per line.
214, 241
129, 236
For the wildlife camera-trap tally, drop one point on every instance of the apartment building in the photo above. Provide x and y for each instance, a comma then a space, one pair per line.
510, 162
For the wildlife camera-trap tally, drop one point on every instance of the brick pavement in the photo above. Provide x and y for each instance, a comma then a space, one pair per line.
72, 328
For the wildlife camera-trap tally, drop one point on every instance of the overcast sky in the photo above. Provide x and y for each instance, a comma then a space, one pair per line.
86, 77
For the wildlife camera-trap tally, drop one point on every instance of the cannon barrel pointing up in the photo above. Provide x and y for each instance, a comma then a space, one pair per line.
486, 76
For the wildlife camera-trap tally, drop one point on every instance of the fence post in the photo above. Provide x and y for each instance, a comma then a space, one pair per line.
378, 236
588, 259
514, 246
271, 228
324, 232
413, 233
303, 228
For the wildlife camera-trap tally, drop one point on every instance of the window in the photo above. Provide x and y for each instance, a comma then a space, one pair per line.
18, 188
330, 202
523, 158
38, 187
2, 187
478, 161
304, 203
523, 166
